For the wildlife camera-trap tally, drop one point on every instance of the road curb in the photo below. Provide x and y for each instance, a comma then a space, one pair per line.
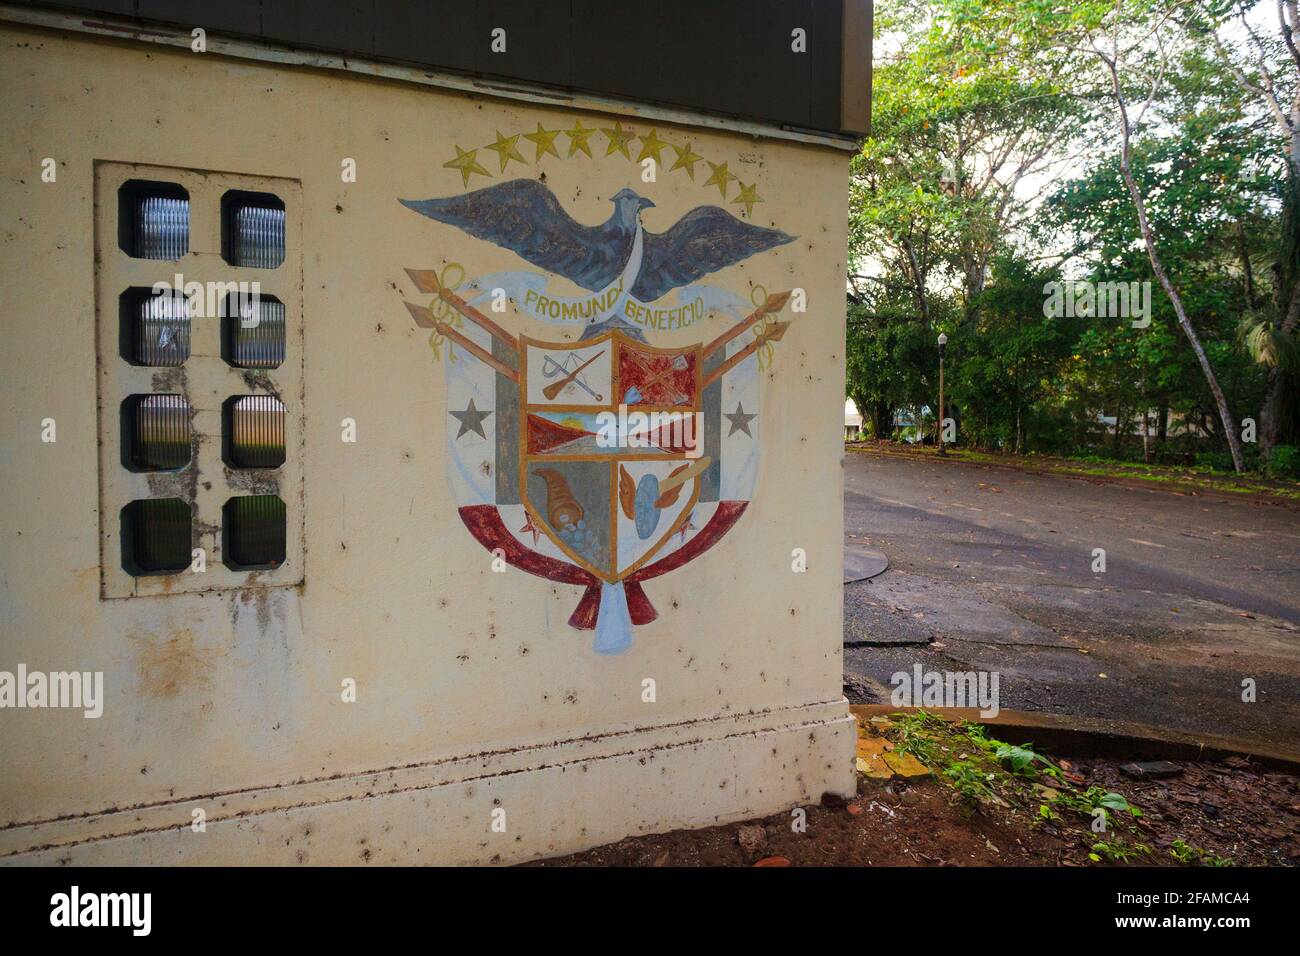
1098, 737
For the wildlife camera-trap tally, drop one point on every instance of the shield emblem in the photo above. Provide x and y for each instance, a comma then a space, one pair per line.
611, 447
584, 462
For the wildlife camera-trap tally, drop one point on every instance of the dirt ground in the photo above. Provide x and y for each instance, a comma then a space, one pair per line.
1214, 813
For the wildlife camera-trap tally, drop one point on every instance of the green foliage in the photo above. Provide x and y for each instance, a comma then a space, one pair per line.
1115, 851
919, 735
1089, 801
947, 235
1187, 854
1019, 759
1283, 462
969, 781
981, 770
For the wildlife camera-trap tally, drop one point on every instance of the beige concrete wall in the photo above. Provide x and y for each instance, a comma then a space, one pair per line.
217, 698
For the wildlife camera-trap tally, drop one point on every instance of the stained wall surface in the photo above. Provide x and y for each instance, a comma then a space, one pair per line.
228, 695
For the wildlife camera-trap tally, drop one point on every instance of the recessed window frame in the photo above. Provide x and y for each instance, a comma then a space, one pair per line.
134, 517
238, 516
259, 346
157, 432
252, 432
170, 232
134, 342
263, 223
206, 379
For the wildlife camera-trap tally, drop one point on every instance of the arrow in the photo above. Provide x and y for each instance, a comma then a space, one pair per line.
774, 333
424, 318
775, 303
426, 280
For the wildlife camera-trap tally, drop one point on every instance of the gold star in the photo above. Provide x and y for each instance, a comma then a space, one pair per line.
720, 178
748, 195
544, 140
651, 145
466, 163
578, 138
685, 159
618, 139
506, 149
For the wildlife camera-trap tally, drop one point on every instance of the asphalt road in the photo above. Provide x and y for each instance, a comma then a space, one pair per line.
992, 569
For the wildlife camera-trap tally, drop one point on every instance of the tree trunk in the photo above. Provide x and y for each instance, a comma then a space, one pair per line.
1247, 273
880, 420
1278, 423
1277, 414
1157, 265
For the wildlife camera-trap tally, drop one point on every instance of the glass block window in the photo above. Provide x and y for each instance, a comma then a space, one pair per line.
153, 220
155, 329
254, 331
254, 530
156, 536
189, 407
158, 432
252, 229
255, 431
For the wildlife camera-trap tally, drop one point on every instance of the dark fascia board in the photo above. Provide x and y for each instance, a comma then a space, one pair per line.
855, 68
729, 57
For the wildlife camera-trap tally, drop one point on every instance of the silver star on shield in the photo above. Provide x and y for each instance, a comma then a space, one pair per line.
739, 420
471, 420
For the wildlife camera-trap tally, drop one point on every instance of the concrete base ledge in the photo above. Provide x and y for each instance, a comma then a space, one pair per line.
1098, 737
558, 798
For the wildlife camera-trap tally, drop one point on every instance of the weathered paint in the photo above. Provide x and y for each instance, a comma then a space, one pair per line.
473, 691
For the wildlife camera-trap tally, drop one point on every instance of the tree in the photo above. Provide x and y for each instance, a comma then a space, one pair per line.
1198, 168
1132, 43
959, 220
1267, 67
935, 192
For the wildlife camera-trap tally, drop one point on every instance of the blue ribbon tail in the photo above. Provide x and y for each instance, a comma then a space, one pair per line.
613, 622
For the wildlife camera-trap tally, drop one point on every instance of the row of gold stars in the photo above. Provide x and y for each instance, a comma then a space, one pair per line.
618, 140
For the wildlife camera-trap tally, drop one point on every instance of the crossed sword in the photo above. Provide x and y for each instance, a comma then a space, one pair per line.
427, 281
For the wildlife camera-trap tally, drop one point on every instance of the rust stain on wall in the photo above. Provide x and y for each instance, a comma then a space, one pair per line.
173, 665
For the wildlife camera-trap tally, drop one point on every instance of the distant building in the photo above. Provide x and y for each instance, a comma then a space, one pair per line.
852, 419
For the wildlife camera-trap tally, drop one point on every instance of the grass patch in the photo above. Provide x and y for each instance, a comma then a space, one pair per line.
986, 773
1190, 855
1192, 477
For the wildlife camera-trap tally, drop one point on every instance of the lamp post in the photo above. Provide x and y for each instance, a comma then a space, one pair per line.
943, 340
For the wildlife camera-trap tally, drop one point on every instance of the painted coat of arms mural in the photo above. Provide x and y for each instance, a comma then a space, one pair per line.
602, 459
